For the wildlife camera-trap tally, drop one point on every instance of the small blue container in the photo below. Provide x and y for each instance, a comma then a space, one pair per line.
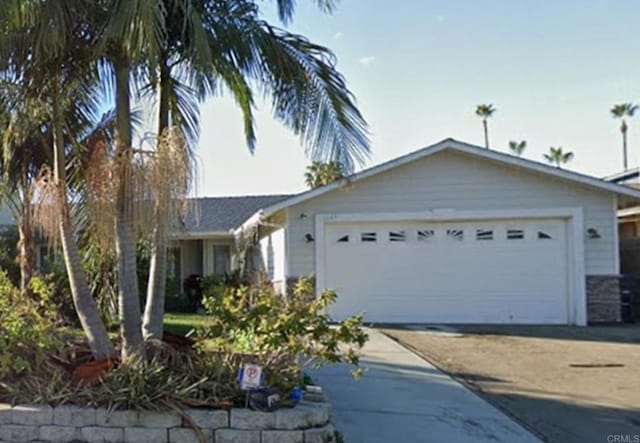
296, 394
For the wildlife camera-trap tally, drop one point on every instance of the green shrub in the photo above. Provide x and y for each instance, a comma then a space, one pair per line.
26, 329
9, 252
277, 330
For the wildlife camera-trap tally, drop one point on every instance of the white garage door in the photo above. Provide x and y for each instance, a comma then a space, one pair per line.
512, 271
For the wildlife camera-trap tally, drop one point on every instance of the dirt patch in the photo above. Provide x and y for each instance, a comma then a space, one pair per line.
568, 384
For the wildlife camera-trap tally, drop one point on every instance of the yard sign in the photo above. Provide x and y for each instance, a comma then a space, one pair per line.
251, 377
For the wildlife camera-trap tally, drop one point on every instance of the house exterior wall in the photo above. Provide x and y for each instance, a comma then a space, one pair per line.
458, 181
191, 254
272, 252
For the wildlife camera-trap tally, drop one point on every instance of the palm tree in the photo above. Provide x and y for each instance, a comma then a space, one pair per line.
517, 148
229, 44
45, 58
485, 111
621, 111
558, 157
25, 149
192, 49
320, 174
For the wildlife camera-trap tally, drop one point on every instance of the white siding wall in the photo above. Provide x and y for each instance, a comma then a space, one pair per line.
191, 252
463, 182
272, 249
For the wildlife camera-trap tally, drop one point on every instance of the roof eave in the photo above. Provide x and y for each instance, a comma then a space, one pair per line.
450, 143
192, 235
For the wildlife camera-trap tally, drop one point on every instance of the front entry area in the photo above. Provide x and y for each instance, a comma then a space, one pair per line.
487, 271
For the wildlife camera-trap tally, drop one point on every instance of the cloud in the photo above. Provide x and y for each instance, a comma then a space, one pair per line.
338, 35
366, 61
440, 18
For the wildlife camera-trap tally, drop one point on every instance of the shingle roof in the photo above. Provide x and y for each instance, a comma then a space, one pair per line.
221, 214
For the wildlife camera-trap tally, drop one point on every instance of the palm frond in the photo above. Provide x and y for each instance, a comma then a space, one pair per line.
311, 98
286, 8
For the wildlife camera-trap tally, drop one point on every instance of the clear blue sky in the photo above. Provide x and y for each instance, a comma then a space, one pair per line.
418, 68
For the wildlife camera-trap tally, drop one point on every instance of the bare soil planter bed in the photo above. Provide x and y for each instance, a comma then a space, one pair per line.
308, 422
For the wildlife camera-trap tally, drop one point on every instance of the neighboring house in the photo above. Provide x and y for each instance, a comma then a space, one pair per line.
455, 233
206, 245
628, 224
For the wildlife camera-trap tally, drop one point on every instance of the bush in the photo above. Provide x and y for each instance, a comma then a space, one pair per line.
276, 330
170, 380
26, 329
174, 301
9, 252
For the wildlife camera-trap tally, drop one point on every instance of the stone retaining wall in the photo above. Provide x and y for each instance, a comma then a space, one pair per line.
306, 423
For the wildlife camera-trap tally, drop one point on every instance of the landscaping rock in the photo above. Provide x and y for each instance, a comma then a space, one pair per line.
146, 435
59, 434
278, 436
14, 433
5, 414
325, 434
32, 415
74, 416
305, 415
154, 419
99, 434
209, 418
184, 435
248, 419
116, 419
67, 423
237, 436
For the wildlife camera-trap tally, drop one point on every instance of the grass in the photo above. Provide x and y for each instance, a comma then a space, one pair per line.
183, 323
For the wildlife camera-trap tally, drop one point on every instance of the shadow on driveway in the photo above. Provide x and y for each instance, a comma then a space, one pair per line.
618, 333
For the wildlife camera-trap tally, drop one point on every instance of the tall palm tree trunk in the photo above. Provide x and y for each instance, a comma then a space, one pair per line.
486, 133
623, 129
156, 287
154, 308
26, 247
128, 296
84, 303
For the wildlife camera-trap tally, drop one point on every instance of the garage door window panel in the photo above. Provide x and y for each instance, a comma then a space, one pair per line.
484, 234
456, 235
369, 237
343, 239
515, 234
397, 236
426, 235
542, 235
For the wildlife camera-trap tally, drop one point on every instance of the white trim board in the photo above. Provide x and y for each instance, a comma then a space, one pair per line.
577, 296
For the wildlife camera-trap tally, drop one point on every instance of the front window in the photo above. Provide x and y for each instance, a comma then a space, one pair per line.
221, 259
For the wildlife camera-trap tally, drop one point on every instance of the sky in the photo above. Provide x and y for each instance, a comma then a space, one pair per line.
418, 68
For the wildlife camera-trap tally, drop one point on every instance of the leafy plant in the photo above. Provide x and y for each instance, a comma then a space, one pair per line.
320, 174
166, 380
8, 253
26, 329
277, 330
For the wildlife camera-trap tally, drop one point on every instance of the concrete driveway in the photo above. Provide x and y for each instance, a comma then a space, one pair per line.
403, 398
